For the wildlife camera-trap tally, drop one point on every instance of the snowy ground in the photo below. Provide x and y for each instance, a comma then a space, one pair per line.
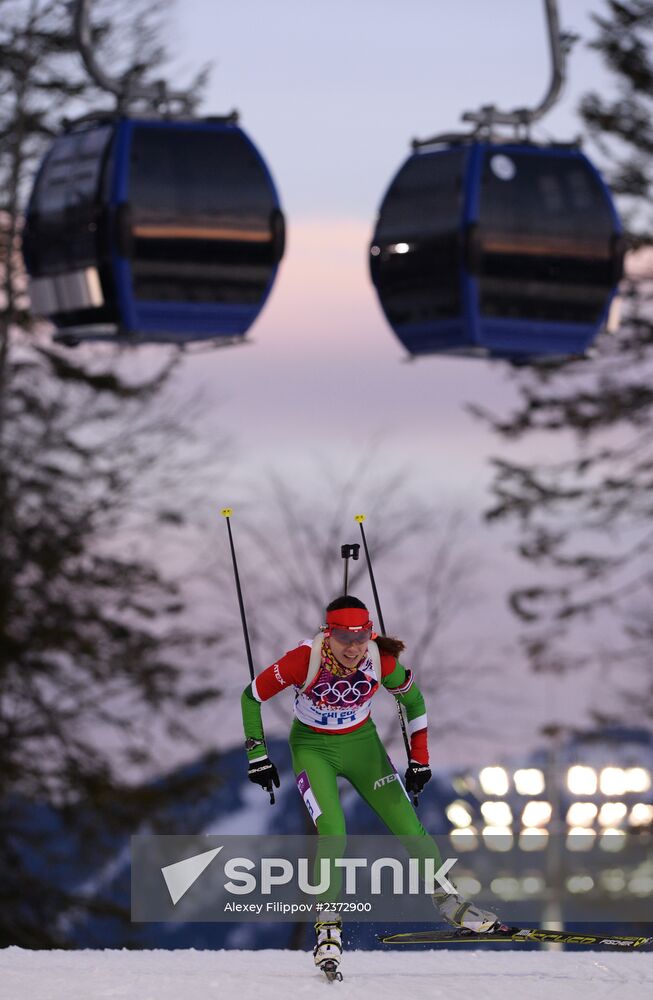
246, 975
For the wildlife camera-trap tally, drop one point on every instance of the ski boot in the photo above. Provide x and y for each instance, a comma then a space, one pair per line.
461, 913
328, 949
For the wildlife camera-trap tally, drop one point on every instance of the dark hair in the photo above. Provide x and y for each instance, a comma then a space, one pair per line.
346, 601
386, 643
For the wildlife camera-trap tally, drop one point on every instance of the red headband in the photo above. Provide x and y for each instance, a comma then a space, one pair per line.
352, 618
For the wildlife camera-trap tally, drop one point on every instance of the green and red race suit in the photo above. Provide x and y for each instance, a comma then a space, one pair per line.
333, 735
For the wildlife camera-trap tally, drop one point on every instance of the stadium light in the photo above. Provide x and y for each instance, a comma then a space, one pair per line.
641, 814
612, 839
581, 780
613, 880
529, 781
537, 812
533, 839
496, 813
494, 780
641, 884
464, 839
532, 884
638, 779
580, 883
613, 781
506, 887
467, 885
581, 814
580, 838
498, 838
612, 813
459, 814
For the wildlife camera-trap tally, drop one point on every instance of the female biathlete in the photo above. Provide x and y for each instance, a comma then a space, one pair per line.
335, 676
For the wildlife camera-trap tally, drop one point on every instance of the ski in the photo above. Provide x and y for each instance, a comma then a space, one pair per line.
517, 935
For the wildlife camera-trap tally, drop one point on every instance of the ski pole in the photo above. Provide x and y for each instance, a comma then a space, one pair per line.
359, 519
226, 513
347, 552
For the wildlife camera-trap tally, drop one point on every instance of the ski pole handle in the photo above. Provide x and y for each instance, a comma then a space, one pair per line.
348, 552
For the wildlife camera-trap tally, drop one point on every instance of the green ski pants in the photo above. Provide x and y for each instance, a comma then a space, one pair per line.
360, 757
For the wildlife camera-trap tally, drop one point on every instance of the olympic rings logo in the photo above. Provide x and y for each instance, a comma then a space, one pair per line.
342, 692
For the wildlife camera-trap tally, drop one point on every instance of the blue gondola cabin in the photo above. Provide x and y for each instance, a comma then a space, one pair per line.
499, 250
152, 231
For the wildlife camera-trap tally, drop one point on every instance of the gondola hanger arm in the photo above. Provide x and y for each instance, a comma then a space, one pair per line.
125, 90
490, 115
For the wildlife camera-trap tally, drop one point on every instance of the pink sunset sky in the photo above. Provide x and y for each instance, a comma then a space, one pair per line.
332, 91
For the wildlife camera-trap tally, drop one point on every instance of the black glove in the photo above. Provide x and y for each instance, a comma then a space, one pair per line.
264, 773
416, 777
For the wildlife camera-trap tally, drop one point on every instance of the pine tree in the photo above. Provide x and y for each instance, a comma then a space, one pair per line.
584, 516
99, 659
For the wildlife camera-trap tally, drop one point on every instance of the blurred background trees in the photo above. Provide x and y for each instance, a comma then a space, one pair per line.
108, 668
116, 641
100, 661
583, 502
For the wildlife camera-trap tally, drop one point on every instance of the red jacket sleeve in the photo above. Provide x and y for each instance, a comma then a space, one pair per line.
292, 668
408, 694
388, 664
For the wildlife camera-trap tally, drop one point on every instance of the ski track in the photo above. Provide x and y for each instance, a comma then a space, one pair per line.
268, 975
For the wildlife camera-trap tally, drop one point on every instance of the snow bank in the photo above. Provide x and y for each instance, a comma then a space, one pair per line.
270, 975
